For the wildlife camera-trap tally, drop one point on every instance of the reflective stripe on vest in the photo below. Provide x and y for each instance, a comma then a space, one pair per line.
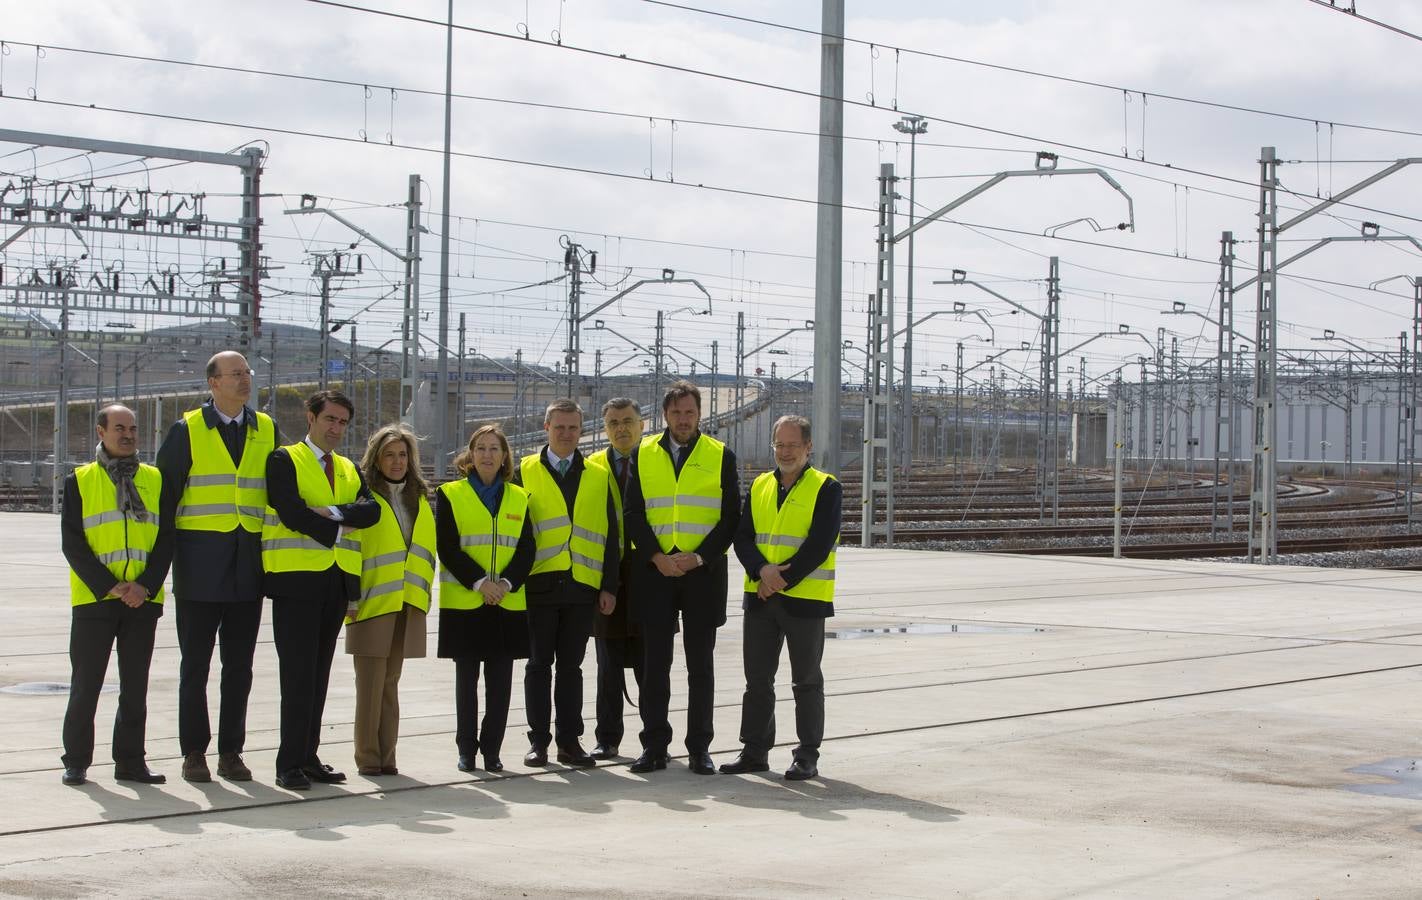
392, 575
120, 542
219, 496
287, 550
488, 540
779, 533
604, 458
681, 509
565, 544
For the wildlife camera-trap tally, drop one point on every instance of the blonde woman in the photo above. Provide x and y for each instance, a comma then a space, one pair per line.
387, 625
485, 540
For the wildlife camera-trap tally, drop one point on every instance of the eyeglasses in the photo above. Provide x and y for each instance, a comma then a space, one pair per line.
238, 375
786, 446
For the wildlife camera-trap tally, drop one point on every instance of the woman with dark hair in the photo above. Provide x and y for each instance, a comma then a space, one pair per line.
485, 542
386, 626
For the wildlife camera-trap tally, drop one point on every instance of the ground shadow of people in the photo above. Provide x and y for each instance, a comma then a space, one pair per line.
822, 798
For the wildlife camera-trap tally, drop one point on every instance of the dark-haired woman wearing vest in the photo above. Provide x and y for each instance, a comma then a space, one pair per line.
486, 548
387, 625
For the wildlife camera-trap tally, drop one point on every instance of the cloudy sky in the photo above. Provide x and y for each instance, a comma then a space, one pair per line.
696, 152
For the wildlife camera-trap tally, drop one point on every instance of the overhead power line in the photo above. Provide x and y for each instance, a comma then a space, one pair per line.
1083, 82
1351, 10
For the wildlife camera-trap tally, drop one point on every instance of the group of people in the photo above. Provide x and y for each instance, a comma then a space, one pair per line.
626, 546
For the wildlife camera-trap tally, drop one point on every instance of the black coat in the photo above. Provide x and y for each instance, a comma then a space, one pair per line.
295, 513
705, 585
484, 632
209, 566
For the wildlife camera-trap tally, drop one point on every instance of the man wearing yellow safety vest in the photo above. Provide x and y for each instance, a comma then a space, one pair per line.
311, 563
214, 465
681, 514
574, 575
786, 542
118, 549
616, 636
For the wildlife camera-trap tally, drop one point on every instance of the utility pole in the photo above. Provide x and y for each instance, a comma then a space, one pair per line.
410, 320
658, 360
328, 266
877, 465
441, 455
459, 426
829, 246
913, 126
577, 260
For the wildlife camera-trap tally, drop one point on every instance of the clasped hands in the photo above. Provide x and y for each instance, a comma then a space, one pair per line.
130, 593
771, 580
675, 565
325, 513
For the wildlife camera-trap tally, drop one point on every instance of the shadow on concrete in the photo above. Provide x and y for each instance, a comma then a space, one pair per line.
821, 798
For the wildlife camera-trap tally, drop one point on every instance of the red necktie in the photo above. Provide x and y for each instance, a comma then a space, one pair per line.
330, 472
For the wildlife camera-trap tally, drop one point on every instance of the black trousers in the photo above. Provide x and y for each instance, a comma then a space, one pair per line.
768, 627
93, 631
612, 658
305, 630
556, 634
202, 625
698, 641
470, 736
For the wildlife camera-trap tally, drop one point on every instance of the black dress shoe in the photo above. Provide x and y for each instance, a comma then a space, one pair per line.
745, 763
574, 755
701, 763
293, 780
323, 773
800, 770
466, 763
493, 764
140, 773
536, 756
605, 751
650, 760
74, 776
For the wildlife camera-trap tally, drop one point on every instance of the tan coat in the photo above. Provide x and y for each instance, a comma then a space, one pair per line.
373, 637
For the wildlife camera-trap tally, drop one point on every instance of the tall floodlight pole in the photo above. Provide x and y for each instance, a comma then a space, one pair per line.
912, 126
829, 243
441, 454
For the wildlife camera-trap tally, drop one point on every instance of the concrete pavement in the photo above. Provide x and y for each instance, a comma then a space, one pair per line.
1095, 728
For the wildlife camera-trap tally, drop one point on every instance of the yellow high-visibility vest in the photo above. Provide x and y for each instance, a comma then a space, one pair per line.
391, 574
563, 544
287, 550
780, 532
121, 543
489, 540
604, 458
218, 495
682, 509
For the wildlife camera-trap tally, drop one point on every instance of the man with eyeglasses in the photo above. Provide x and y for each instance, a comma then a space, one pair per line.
214, 463
786, 542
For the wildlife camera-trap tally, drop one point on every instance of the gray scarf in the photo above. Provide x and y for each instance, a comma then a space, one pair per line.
121, 470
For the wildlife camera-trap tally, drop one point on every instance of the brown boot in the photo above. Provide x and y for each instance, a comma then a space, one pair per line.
195, 768
231, 767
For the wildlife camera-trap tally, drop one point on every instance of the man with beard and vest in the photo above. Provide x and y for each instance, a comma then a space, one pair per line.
786, 542
311, 564
118, 549
574, 576
615, 634
681, 515
214, 465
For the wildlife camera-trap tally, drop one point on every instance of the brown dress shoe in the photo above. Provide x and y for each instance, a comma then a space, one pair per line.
195, 768
367, 770
231, 767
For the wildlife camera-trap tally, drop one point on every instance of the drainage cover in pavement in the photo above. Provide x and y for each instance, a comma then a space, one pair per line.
46, 688
845, 634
